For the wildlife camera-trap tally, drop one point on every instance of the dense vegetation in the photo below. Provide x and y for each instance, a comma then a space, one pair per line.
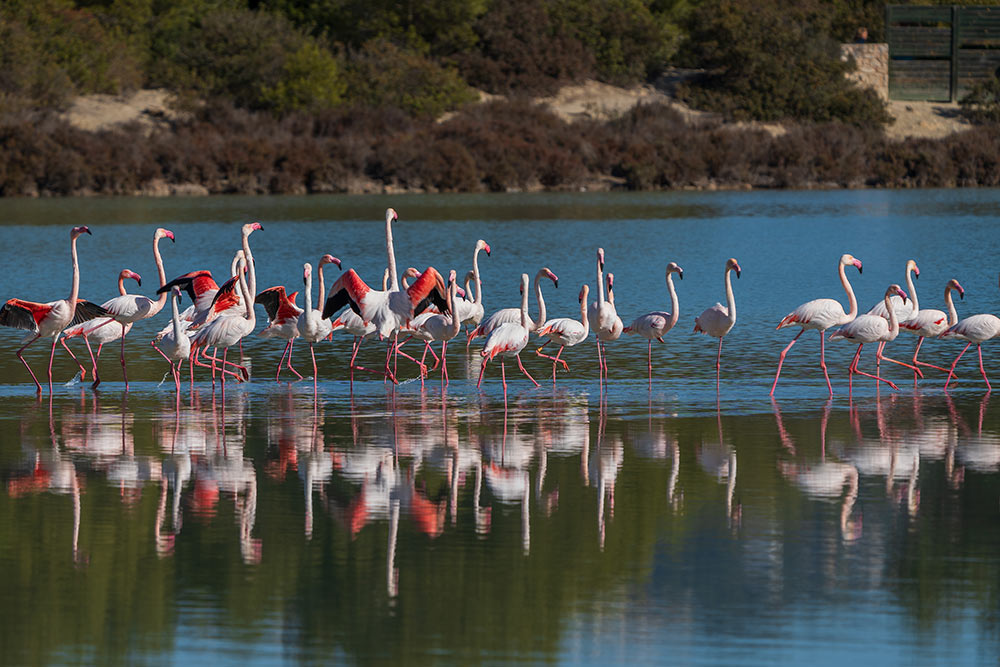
344, 95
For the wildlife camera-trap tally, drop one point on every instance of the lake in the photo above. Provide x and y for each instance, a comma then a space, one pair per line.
574, 523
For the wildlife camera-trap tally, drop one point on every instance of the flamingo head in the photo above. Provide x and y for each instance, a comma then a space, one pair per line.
673, 268
470, 276
896, 289
163, 233
391, 215
953, 284
911, 265
551, 276
82, 229
733, 265
524, 282
849, 260
452, 276
411, 273
307, 270
128, 273
600, 259
176, 291
584, 291
251, 227
329, 259
610, 280
483, 245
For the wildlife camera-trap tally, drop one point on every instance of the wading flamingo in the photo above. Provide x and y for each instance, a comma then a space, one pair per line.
101, 330
821, 314
976, 329
718, 320
49, 319
312, 327
565, 332
870, 329
904, 310
176, 346
352, 323
655, 325
507, 340
931, 323
227, 330
282, 322
513, 315
470, 310
443, 328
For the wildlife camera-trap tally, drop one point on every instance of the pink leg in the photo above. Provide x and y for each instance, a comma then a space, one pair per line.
718, 366
312, 353
781, 360
649, 361
176, 372
901, 363
38, 387
282, 361
444, 362
555, 360
160, 352
291, 344
223, 371
851, 368
952, 370
600, 359
521, 366
225, 353
822, 361
876, 376
52, 354
124, 373
93, 361
920, 342
83, 371
979, 348
503, 377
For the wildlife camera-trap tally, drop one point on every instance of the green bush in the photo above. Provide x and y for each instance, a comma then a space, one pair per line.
982, 103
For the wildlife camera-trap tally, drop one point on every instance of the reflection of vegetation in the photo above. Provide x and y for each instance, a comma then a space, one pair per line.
484, 599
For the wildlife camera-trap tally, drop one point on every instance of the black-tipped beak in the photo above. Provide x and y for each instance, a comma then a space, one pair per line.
139, 281
861, 270
738, 273
961, 295
917, 276
87, 229
680, 274
556, 282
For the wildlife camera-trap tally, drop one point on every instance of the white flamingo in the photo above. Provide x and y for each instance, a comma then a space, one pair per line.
655, 325
470, 310
565, 332
176, 346
100, 333
443, 328
282, 322
821, 314
871, 329
352, 323
603, 316
976, 329
930, 322
311, 326
904, 310
718, 320
513, 315
227, 330
507, 340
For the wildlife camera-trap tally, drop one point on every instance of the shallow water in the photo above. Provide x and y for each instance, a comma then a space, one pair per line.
660, 523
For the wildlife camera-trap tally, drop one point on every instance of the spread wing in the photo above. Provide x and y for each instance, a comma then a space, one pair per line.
86, 311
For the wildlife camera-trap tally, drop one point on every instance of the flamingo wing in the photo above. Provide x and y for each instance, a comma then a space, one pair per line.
863, 329
86, 311
22, 314
273, 298
816, 314
929, 321
428, 289
350, 290
194, 283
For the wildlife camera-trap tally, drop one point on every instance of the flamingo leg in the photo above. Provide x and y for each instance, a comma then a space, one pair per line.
781, 360
554, 359
876, 376
38, 386
282, 361
952, 370
718, 365
160, 352
291, 344
52, 355
920, 341
83, 371
903, 363
851, 368
649, 361
503, 377
444, 362
225, 353
521, 366
979, 348
822, 361
176, 372
222, 369
124, 373
93, 361
312, 353
600, 359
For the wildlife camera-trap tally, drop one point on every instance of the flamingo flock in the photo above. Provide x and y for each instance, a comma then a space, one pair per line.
433, 310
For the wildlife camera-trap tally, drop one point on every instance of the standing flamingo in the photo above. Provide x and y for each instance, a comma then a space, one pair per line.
718, 320
470, 310
352, 323
565, 332
904, 309
976, 329
443, 328
227, 330
821, 314
507, 340
931, 322
96, 331
176, 346
655, 325
389, 310
311, 326
603, 316
513, 315
282, 322
49, 319
870, 329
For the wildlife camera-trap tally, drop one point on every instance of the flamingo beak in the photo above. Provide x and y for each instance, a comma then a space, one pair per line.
169, 234
738, 271
680, 273
857, 263
334, 260
257, 226
961, 293
487, 249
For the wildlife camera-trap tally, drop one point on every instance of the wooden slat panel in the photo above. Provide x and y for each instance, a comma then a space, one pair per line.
921, 42
919, 79
910, 14
977, 64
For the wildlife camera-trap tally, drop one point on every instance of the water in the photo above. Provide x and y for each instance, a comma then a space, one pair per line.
660, 524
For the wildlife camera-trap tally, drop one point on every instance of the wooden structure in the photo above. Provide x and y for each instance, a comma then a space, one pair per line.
938, 52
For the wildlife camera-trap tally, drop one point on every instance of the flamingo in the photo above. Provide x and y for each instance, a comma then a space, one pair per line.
49, 319
655, 325
311, 326
388, 310
565, 332
904, 310
976, 329
513, 315
470, 310
821, 314
870, 329
507, 340
176, 346
227, 330
931, 322
443, 328
98, 331
603, 316
352, 323
283, 321
718, 320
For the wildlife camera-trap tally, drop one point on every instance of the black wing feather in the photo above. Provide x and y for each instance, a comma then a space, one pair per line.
17, 317
185, 282
432, 298
335, 302
86, 311
270, 300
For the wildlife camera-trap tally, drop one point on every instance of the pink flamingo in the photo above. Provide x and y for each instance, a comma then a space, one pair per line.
603, 317
904, 309
931, 322
176, 346
97, 331
565, 332
871, 329
311, 326
470, 310
443, 328
976, 329
49, 319
352, 323
655, 325
283, 321
388, 310
507, 340
821, 314
227, 330
718, 320
513, 315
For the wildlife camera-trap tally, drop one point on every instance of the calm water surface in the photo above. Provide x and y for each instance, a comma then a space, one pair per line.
656, 523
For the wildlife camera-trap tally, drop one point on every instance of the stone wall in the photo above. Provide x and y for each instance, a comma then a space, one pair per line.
873, 66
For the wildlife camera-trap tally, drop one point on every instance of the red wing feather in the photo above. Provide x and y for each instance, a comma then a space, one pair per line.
195, 284
23, 314
86, 311
349, 289
227, 297
427, 289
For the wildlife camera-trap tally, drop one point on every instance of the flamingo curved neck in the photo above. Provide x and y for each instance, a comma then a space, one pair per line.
475, 271
674, 306
852, 301
74, 291
952, 313
162, 301
600, 283
309, 292
893, 322
322, 290
121, 285
247, 298
456, 324
730, 299
393, 279
176, 316
524, 304
538, 297
252, 279
912, 292
583, 315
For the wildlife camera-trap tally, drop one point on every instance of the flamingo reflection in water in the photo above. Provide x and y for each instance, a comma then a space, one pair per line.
978, 451
605, 465
823, 480
719, 459
656, 443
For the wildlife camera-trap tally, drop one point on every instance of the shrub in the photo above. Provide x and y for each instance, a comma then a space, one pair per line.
982, 103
